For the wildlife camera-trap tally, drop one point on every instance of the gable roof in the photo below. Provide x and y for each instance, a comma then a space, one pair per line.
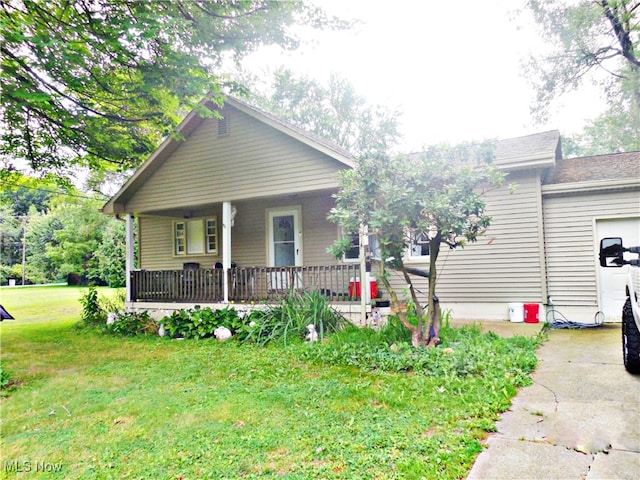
536, 150
193, 120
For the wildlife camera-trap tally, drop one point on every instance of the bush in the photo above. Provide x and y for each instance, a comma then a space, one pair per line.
92, 313
288, 320
464, 352
200, 322
131, 324
96, 308
6, 381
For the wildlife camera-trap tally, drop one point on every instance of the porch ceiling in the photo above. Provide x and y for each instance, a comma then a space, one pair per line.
192, 211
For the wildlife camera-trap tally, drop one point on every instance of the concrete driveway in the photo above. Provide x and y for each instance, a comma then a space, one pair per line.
579, 420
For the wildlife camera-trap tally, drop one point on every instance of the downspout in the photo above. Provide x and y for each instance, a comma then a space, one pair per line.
226, 249
544, 293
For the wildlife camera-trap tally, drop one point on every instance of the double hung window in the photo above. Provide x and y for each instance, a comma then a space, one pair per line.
418, 245
197, 236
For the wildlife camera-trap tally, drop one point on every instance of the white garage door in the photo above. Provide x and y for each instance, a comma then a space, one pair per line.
612, 280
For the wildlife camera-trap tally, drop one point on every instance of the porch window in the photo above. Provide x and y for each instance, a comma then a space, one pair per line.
195, 236
353, 254
418, 245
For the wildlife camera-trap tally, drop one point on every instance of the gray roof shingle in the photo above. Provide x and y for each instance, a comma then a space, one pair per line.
613, 166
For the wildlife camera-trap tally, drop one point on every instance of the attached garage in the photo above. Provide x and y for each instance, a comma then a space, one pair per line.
585, 199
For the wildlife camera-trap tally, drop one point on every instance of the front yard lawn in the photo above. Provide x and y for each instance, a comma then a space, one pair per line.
95, 406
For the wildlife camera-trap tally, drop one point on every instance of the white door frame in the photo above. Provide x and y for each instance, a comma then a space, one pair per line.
296, 212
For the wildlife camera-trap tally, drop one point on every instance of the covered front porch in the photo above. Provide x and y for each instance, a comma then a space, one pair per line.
339, 283
216, 281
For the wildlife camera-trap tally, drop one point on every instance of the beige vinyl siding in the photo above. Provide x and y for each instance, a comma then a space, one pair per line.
254, 160
156, 244
505, 264
569, 225
248, 235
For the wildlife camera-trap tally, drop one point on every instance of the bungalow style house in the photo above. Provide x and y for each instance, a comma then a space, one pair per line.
236, 214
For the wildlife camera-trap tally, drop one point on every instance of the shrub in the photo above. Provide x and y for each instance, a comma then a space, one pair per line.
131, 324
464, 352
199, 322
288, 320
6, 381
92, 313
114, 303
95, 308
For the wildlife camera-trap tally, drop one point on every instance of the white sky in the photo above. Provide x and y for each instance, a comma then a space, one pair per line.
451, 68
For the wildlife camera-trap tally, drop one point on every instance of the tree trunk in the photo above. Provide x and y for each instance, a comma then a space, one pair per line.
417, 337
433, 311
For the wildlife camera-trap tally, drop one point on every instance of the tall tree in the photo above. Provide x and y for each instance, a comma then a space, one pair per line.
10, 236
333, 111
593, 41
437, 194
101, 82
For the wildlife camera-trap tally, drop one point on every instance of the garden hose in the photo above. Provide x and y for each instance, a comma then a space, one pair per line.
555, 319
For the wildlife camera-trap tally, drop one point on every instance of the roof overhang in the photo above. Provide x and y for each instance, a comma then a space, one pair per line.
591, 186
537, 151
117, 203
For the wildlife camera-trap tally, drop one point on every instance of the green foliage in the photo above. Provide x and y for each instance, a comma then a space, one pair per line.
616, 130
596, 42
74, 237
438, 193
13, 271
6, 381
114, 302
10, 235
284, 322
288, 321
110, 256
464, 352
72, 247
92, 313
22, 193
95, 308
131, 324
199, 322
251, 411
101, 84
334, 112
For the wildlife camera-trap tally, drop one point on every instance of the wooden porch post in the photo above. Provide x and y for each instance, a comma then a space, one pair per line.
129, 261
226, 248
364, 284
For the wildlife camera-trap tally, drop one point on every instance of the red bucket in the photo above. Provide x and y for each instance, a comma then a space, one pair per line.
531, 312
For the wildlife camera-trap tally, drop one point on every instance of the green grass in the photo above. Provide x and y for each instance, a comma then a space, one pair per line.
97, 406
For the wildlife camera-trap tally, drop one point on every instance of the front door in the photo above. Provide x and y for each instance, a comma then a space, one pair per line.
285, 244
285, 237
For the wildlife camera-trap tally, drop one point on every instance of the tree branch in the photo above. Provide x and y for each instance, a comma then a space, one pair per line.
622, 34
75, 101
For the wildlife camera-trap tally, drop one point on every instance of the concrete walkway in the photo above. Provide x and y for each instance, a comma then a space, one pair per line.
579, 420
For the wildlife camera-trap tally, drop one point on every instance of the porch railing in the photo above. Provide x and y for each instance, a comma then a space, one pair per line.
257, 284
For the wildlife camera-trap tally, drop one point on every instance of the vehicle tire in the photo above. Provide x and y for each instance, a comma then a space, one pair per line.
630, 340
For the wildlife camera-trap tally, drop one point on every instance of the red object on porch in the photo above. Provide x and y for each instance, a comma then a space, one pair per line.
354, 287
531, 312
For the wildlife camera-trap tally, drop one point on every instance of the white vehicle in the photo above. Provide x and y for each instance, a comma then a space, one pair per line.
612, 255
